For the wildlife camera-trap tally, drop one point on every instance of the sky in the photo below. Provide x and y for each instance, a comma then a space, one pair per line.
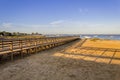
60, 16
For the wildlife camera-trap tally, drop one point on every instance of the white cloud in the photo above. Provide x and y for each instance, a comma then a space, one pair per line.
57, 22
80, 10
63, 26
83, 10
7, 25
86, 10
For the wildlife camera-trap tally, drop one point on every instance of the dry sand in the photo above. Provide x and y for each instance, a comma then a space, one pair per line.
64, 63
103, 43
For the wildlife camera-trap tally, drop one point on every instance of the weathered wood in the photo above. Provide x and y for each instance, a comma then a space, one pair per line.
11, 48
31, 45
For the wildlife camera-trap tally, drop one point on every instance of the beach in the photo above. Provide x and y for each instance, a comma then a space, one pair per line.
93, 60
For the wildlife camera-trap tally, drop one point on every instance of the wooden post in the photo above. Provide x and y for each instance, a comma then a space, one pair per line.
42, 41
29, 43
11, 49
35, 46
20, 46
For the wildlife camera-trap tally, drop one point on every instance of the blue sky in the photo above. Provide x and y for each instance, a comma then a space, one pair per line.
60, 16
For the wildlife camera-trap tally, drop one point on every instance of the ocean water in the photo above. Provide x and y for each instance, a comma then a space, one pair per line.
112, 37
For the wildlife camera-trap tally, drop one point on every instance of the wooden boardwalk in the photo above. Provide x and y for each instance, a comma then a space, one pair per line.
29, 46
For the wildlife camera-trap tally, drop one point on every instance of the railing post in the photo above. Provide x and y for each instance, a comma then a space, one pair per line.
45, 40
11, 49
11, 45
20, 46
29, 43
35, 46
42, 41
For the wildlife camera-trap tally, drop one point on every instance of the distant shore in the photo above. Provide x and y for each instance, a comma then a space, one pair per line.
102, 36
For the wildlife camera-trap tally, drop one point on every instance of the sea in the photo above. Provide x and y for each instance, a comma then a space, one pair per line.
102, 36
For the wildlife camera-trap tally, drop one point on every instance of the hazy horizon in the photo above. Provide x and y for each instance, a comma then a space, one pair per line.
60, 16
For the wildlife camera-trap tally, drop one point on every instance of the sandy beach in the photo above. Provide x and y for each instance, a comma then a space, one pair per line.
67, 62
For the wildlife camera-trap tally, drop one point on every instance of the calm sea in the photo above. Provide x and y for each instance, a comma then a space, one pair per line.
112, 37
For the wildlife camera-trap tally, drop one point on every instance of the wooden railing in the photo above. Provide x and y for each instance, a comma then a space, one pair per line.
10, 46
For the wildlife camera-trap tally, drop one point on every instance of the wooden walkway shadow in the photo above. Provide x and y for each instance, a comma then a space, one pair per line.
101, 55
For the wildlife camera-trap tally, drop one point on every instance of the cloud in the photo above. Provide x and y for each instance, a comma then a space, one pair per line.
83, 10
7, 25
86, 10
63, 26
80, 10
57, 22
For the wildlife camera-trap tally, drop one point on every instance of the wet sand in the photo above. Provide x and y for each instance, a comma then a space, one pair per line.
64, 63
